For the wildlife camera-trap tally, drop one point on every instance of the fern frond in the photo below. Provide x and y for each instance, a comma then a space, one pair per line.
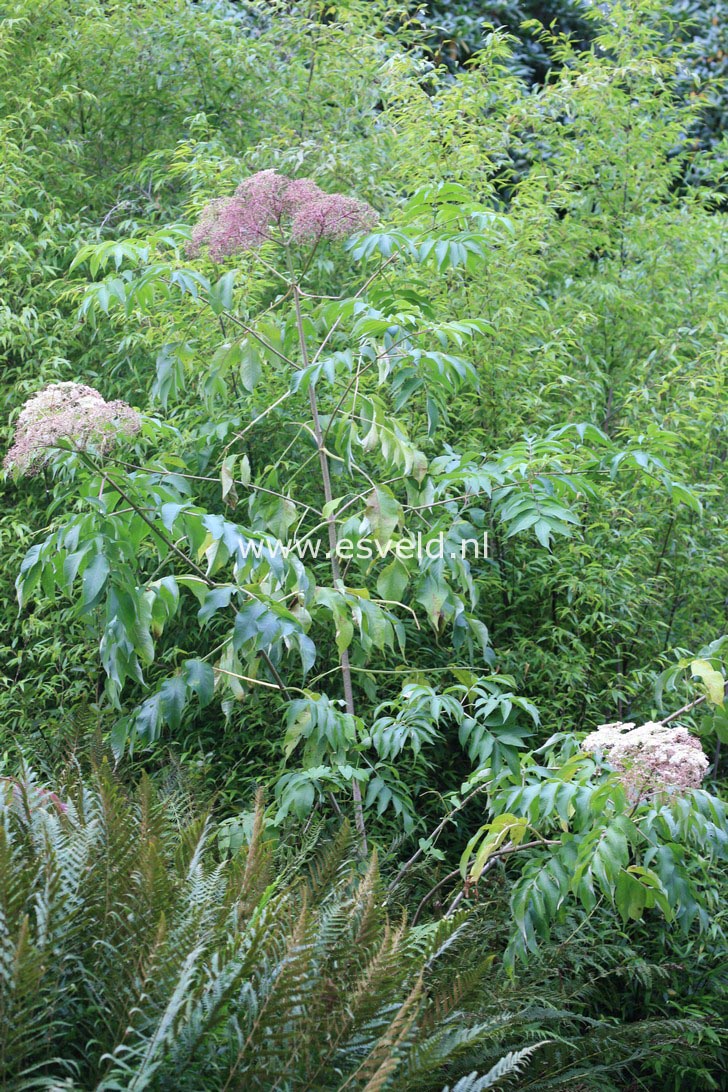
511, 1065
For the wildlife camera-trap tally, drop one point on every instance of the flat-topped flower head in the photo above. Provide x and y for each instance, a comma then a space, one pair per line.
66, 411
266, 206
331, 216
650, 758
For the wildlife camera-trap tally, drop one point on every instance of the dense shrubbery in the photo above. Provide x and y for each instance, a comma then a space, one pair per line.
526, 345
131, 959
697, 29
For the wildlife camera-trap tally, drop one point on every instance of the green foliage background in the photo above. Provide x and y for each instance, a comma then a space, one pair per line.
601, 293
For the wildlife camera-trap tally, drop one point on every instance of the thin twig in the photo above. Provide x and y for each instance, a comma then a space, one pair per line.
433, 890
436, 832
505, 851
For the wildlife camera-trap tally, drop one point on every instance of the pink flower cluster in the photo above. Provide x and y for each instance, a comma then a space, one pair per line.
66, 411
268, 206
652, 758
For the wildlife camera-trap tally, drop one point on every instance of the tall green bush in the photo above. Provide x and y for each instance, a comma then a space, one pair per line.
529, 345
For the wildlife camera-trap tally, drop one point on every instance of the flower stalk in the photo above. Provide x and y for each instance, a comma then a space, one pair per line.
331, 530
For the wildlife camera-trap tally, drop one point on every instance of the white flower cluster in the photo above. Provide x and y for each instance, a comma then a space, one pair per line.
650, 758
66, 411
